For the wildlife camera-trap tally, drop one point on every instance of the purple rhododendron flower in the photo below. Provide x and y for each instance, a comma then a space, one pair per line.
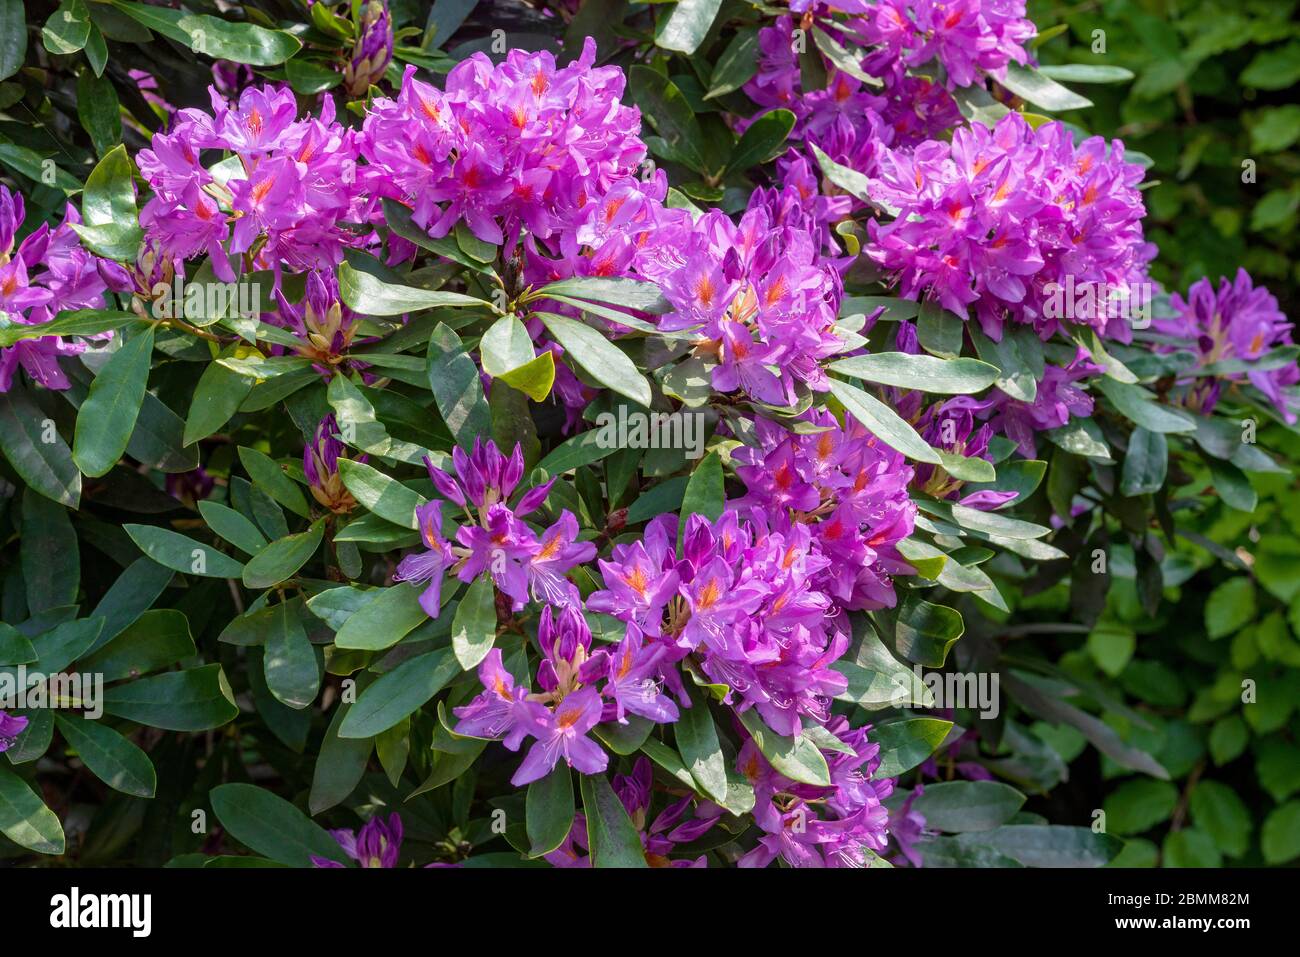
320, 466
428, 567
373, 50
49, 272
377, 844
294, 188
844, 825
11, 726
1005, 220
1236, 320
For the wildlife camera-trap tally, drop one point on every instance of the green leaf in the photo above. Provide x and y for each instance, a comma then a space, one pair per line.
372, 296
108, 207
193, 700
1274, 69
280, 560
1232, 485
399, 692
697, 741
109, 756
13, 37
181, 553
1022, 476
341, 764
797, 758
25, 819
629, 293
1145, 463
1042, 90
664, 106
549, 811
1018, 358
940, 332
232, 526
762, 141
1217, 810
383, 621
107, 417
905, 744
79, 322
1228, 738
217, 38
474, 628
1037, 845
603, 360
272, 826
457, 389
157, 639
219, 394
705, 494
1190, 847
959, 806
289, 661
850, 180
925, 631
737, 64
1230, 606
927, 373
613, 840
1280, 837
1080, 437
1138, 805
309, 77
1140, 407
1111, 646
534, 378
1086, 73
385, 496
664, 497
581, 449
36, 451
15, 649
68, 28
99, 111
843, 59
50, 555
267, 474
687, 25
505, 346
884, 423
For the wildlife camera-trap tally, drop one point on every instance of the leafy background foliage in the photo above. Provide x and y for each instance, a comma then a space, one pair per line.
1122, 689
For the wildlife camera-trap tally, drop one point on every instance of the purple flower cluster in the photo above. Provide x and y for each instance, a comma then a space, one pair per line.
523, 145
580, 688
967, 37
495, 539
49, 272
1003, 219
848, 493
1235, 321
741, 603
844, 825
285, 203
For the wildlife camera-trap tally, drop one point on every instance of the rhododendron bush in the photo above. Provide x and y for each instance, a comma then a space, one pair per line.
691, 434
